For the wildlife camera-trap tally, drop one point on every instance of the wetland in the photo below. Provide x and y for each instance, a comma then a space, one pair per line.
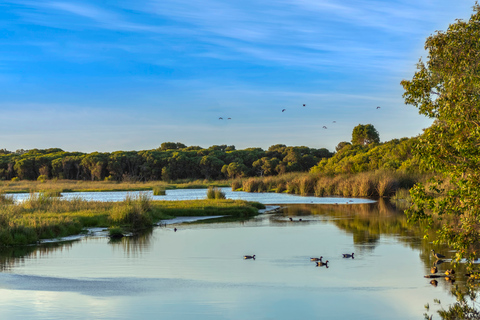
199, 271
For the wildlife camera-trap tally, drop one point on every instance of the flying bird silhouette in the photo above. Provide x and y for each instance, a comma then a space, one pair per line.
229, 119
220, 118
283, 110
324, 127
378, 107
304, 104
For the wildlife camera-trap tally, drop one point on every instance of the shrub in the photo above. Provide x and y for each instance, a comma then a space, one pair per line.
134, 212
219, 194
159, 191
215, 193
115, 232
42, 178
15, 179
236, 184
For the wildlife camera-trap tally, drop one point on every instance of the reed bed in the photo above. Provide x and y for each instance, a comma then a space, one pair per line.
26, 186
44, 217
376, 184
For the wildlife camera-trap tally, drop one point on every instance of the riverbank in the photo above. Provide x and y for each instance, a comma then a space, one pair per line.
43, 217
57, 185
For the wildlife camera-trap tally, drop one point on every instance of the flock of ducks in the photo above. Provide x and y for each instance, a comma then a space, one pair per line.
448, 274
318, 261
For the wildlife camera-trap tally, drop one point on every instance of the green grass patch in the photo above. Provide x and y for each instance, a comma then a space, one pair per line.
45, 217
26, 186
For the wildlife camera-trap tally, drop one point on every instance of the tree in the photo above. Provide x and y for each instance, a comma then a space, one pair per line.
365, 134
342, 144
234, 170
211, 166
446, 88
172, 146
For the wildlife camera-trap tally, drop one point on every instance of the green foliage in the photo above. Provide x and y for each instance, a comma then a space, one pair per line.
172, 161
159, 191
365, 134
396, 155
215, 193
4, 199
41, 217
446, 88
115, 232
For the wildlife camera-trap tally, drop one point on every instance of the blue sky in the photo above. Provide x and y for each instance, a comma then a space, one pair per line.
129, 75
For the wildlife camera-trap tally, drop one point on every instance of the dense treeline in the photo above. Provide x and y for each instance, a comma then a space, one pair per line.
171, 161
394, 155
360, 169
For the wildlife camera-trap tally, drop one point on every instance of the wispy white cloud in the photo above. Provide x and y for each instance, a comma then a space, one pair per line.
180, 62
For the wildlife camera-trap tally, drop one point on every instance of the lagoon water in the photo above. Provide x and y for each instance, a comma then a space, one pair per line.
199, 272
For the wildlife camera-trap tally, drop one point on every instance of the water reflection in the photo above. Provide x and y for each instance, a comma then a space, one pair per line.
133, 246
202, 265
11, 257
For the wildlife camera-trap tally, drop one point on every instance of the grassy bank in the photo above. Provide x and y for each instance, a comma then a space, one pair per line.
26, 186
365, 184
45, 217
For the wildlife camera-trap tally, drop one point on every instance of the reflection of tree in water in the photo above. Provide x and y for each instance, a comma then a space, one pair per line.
368, 222
15, 256
134, 245
465, 306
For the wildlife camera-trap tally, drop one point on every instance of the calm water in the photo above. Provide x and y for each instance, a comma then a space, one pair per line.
189, 194
199, 272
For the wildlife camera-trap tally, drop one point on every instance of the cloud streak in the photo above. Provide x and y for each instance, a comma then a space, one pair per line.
177, 61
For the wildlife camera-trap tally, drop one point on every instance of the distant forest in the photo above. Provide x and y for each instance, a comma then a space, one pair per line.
174, 161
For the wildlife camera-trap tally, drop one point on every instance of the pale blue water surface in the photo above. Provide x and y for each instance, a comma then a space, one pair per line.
192, 194
199, 272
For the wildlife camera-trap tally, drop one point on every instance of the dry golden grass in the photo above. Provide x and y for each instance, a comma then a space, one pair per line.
27, 186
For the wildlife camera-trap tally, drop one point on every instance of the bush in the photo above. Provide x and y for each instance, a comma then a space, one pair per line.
215, 193
159, 191
236, 184
134, 212
42, 178
115, 232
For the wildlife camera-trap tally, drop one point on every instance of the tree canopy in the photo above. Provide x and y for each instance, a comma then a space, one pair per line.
364, 134
446, 89
172, 161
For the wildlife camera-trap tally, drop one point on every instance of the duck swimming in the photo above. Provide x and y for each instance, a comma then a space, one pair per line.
321, 264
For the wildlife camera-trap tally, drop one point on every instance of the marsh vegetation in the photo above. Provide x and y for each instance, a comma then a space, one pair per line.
42, 216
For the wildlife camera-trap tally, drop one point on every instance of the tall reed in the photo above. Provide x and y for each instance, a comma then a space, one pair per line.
159, 191
215, 193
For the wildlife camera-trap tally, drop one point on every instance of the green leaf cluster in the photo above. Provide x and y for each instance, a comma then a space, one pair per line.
446, 89
396, 154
